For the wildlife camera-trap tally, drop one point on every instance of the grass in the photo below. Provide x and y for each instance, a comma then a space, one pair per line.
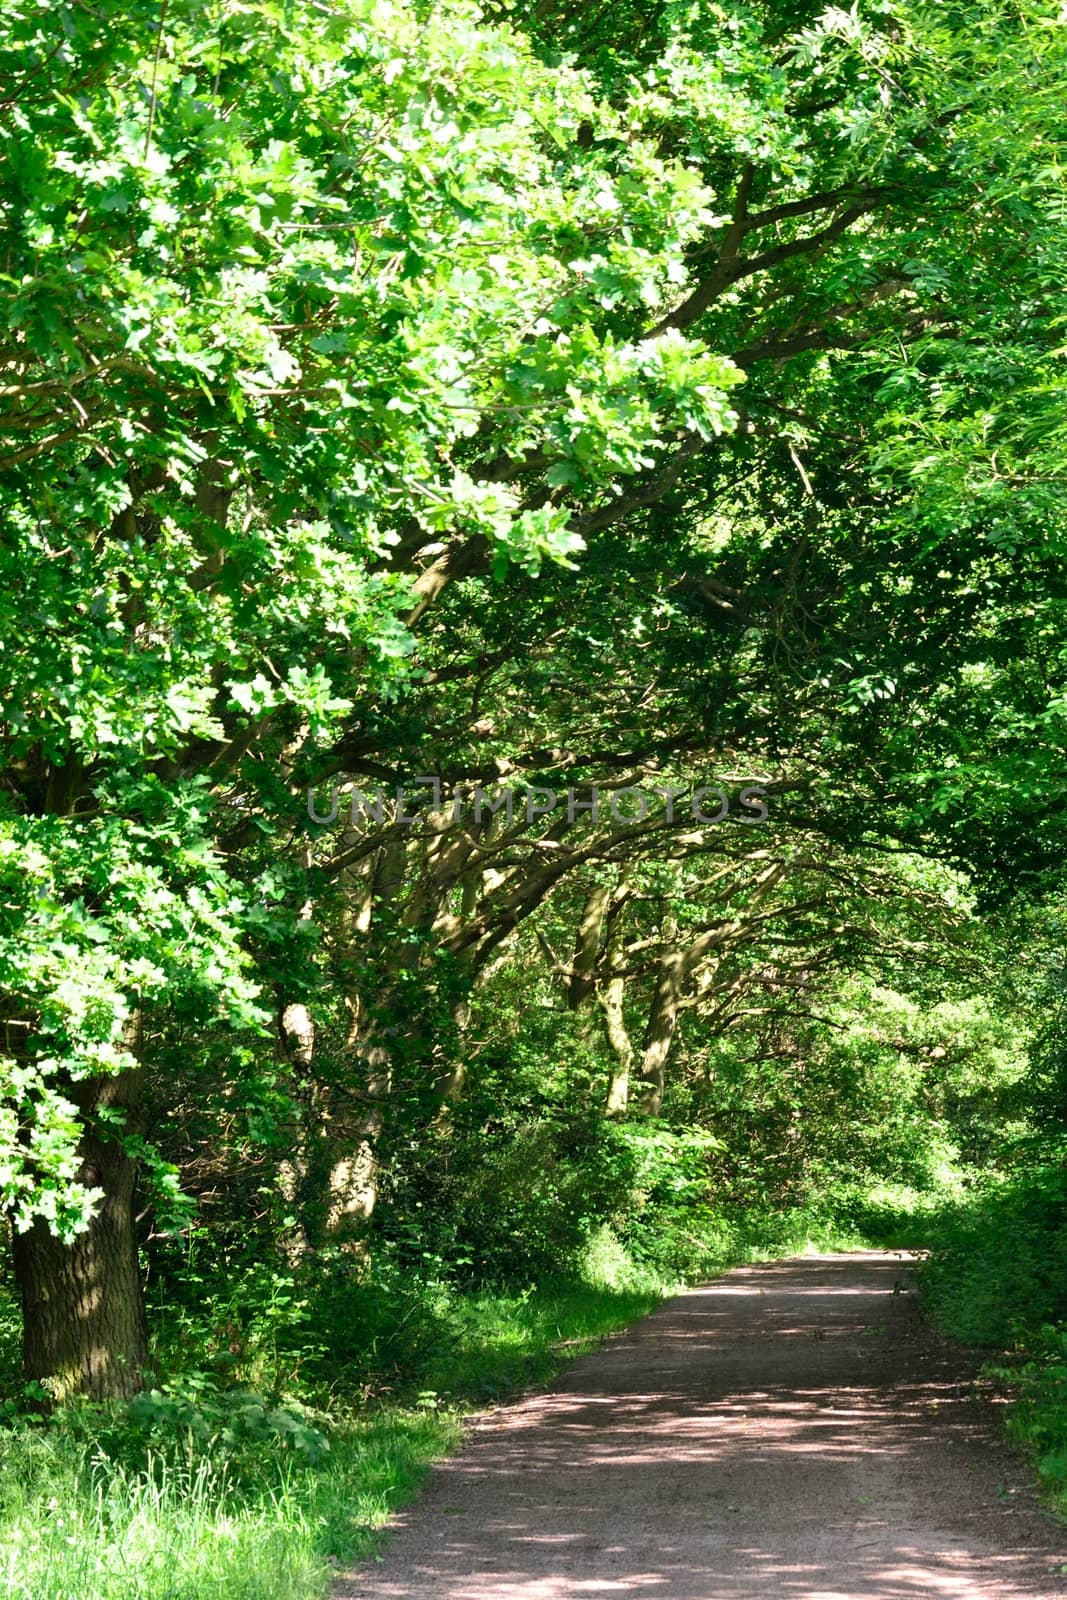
504, 1343
79, 1521
79, 1526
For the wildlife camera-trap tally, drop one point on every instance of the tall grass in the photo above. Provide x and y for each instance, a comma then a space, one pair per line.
77, 1525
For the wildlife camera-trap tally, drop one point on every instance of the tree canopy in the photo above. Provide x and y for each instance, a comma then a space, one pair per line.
603, 402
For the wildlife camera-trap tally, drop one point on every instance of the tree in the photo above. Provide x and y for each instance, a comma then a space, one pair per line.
331, 336
265, 275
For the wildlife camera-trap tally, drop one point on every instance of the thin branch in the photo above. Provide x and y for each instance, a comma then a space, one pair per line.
155, 72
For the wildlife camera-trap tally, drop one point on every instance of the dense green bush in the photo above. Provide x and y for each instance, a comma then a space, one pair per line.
998, 1270
998, 1277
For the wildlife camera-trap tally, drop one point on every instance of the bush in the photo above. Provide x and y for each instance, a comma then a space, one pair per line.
998, 1271
998, 1277
502, 1200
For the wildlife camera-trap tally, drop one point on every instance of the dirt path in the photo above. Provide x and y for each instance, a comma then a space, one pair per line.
790, 1432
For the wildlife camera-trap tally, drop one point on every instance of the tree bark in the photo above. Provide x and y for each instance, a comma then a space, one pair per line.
353, 1180
659, 1033
84, 1329
352, 1185
676, 968
581, 984
296, 1032
611, 994
452, 1079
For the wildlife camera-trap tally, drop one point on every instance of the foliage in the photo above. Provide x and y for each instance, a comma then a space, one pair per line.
241, 344
998, 1273
600, 402
997, 1278
76, 1522
308, 317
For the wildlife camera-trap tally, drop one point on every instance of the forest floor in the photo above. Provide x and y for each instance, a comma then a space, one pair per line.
792, 1431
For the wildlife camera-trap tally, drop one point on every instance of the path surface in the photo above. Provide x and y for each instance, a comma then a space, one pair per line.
790, 1432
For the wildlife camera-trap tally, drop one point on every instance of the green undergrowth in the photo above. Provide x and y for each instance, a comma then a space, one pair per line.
996, 1279
79, 1523
196, 1492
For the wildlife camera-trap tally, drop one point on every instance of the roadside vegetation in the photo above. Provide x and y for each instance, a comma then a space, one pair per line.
996, 1276
278, 1432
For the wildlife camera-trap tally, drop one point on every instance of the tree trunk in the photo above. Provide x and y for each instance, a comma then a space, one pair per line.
659, 1034
612, 995
83, 1307
451, 1080
582, 981
296, 1033
676, 969
353, 1182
